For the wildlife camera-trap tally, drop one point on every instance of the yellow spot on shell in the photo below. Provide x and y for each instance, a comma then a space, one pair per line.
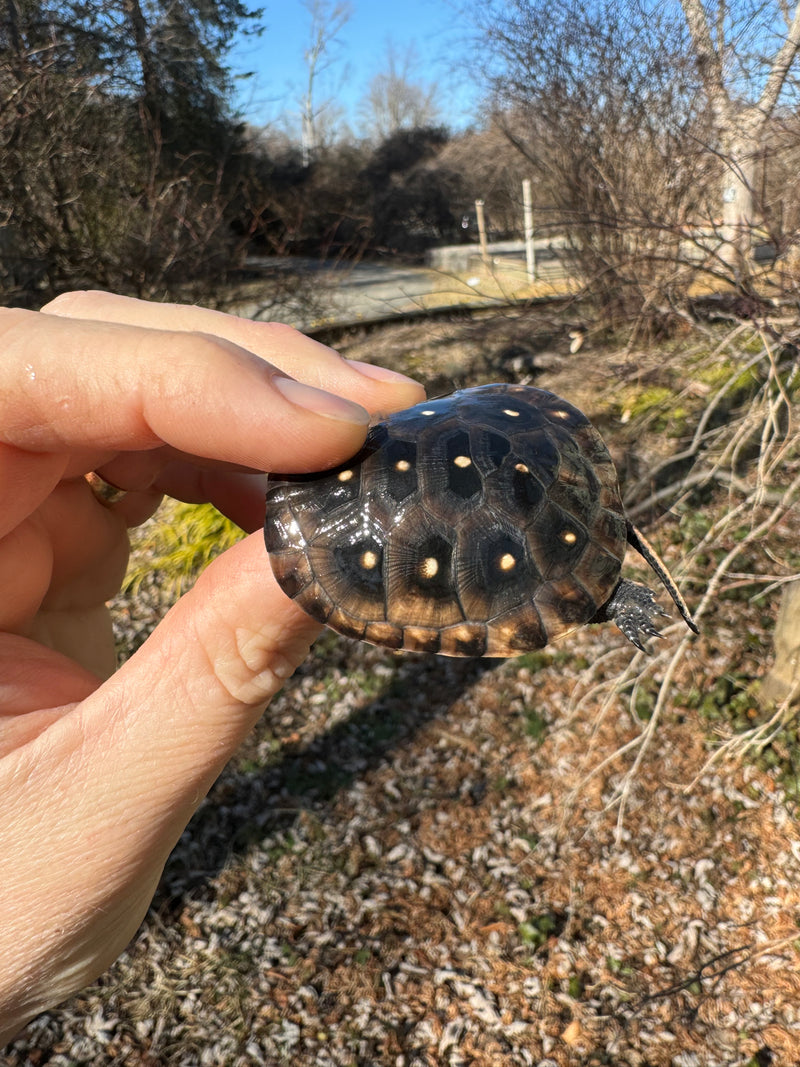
429, 567
521, 467
402, 465
369, 560
512, 412
344, 476
462, 461
507, 562
428, 411
569, 537
559, 413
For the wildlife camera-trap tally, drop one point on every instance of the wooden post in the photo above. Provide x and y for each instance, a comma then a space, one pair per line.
482, 234
527, 214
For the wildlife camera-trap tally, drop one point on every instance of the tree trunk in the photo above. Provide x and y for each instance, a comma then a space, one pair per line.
741, 125
782, 681
141, 43
739, 158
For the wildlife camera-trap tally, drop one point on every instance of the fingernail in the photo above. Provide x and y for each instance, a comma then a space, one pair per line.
380, 374
320, 402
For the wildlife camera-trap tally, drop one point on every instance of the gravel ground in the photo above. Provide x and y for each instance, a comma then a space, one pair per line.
407, 866
417, 862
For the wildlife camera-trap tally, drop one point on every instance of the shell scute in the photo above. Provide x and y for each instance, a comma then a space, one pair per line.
419, 580
495, 570
398, 470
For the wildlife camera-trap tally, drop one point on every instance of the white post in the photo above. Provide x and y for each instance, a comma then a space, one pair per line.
527, 211
482, 234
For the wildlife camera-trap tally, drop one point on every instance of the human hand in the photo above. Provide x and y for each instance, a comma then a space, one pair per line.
99, 778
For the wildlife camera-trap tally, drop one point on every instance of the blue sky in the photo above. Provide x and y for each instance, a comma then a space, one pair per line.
432, 28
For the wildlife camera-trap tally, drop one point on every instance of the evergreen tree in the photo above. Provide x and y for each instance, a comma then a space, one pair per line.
118, 141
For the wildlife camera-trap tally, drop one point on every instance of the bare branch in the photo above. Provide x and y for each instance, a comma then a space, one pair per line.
781, 66
707, 55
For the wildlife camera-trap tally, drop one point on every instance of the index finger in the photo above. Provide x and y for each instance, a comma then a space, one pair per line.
378, 389
73, 384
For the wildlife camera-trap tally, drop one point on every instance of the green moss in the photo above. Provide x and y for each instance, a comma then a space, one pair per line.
658, 405
179, 543
644, 401
729, 698
644, 705
618, 966
535, 661
741, 383
535, 724
537, 930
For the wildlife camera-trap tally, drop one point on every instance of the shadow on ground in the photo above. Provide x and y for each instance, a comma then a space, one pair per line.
245, 807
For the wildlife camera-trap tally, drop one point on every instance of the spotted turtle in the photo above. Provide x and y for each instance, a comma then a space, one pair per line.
484, 523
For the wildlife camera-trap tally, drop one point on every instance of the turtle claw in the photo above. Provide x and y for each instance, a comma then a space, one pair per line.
638, 632
634, 609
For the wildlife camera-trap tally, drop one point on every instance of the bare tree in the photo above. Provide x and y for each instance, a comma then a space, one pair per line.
120, 159
607, 111
745, 53
648, 126
328, 19
396, 99
777, 188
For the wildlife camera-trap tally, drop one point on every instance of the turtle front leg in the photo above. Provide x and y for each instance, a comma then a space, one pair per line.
633, 608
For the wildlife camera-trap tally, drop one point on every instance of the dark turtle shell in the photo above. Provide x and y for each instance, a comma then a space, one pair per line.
485, 523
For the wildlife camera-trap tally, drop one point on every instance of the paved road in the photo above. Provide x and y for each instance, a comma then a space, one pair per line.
374, 290
351, 293
369, 291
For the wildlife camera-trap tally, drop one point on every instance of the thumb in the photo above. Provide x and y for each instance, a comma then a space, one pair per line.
177, 710
95, 802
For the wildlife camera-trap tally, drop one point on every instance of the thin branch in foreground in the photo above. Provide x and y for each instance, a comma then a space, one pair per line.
768, 423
